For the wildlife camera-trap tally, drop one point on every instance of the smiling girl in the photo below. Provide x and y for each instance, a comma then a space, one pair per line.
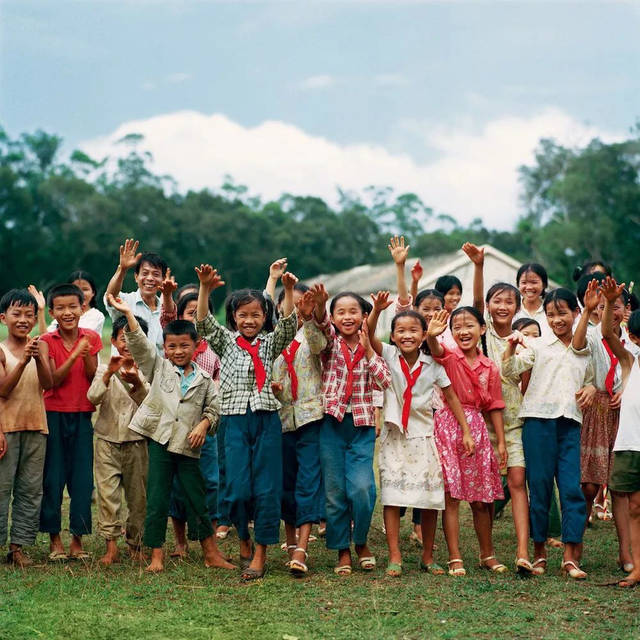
532, 281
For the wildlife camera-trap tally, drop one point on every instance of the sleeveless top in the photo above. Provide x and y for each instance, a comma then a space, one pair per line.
23, 410
628, 438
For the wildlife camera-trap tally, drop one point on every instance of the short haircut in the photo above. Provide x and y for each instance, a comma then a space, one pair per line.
536, 268
19, 298
66, 289
479, 319
634, 303
187, 288
246, 296
85, 275
502, 287
428, 293
121, 322
180, 328
410, 313
523, 323
589, 268
633, 326
154, 260
362, 303
444, 284
583, 283
298, 286
561, 294
185, 300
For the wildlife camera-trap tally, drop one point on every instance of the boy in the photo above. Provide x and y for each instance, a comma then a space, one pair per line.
121, 457
24, 373
150, 271
179, 410
73, 356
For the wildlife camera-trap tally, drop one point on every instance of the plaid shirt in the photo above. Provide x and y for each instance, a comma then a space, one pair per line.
237, 376
368, 376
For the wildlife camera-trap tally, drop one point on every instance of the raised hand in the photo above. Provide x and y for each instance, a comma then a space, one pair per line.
592, 296
438, 323
320, 298
305, 305
209, 277
114, 364
38, 295
169, 284
278, 268
118, 304
364, 338
475, 254
381, 300
416, 272
397, 249
129, 255
289, 281
610, 289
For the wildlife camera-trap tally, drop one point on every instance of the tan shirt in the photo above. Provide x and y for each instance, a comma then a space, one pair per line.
117, 406
24, 409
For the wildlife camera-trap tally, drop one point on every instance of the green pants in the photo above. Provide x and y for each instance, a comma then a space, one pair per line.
163, 466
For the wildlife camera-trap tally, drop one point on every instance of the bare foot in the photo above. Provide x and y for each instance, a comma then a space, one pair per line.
17, 558
363, 551
218, 561
55, 543
137, 555
344, 558
112, 554
180, 551
75, 548
157, 561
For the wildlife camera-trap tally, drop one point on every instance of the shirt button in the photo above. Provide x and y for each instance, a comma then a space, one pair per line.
177, 420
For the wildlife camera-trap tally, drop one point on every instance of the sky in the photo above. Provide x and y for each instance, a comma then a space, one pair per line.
445, 100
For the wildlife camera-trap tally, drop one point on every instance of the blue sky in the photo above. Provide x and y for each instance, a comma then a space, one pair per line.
415, 93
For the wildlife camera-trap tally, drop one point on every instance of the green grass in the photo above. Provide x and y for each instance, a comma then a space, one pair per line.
188, 601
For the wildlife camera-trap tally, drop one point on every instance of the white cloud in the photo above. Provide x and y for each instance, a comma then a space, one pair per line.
323, 81
177, 78
390, 80
473, 175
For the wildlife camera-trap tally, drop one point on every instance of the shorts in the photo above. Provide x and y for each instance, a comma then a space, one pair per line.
625, 476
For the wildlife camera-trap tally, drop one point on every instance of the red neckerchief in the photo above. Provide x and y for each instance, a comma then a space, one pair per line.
289, 354
407, 396
611, 374
258, 367
351, 363
201, 348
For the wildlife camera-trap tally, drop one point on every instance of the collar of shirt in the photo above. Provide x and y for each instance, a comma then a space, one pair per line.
479, 361
81, 332
261, 336
138, 300
186, 381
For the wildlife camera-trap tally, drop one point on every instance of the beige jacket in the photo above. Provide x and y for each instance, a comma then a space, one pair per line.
117, 404
165, 416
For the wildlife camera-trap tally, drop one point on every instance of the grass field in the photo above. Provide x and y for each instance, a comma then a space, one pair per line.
78, 601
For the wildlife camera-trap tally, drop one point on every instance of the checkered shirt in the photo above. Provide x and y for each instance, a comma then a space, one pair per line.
237, 376
368, 376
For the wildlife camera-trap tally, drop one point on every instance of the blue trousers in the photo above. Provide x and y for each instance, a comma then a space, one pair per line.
223, 507
209, 469
302, 489
552, 450
346, 456
253, 470
68, 461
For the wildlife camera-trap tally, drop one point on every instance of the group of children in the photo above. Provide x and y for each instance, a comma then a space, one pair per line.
274, 416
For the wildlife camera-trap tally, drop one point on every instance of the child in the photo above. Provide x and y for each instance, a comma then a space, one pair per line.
73, 355
532, 281
297, 384
625, 476
91, 318
209, 361
600, 420
121, 457
410, 469
150, 271
24, 373
451, 289
551, 431
351, 370
476, 382
502, 303
179, 410
252, 428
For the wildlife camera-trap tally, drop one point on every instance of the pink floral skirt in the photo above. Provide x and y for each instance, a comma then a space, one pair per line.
475, 478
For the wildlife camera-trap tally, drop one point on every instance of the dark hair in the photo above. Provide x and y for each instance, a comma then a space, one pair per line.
444, 284
523, 323
536, 268
154, 260
121, 322
479, 318
364, 305
186, 299
180, 328
181, 291
428, 293
633, 325
85, 275
416, 316
500, 287
245, 296
561, 294
588, 268
19, 297
581, 287
66, 289
298, 286
634, 303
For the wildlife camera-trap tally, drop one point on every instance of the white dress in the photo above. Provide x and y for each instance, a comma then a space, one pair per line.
408, 462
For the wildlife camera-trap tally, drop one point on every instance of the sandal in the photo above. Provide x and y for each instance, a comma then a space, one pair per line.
287, 548
58, 556
343, 570
628, 583
539, 566
414, 537
322, 530
297, 567
524, 566
495, 568
554, 543
458, 571
394, 570
249, 574
222, 535
80, 555
367, 563
627, 567
433, 568
574, 571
